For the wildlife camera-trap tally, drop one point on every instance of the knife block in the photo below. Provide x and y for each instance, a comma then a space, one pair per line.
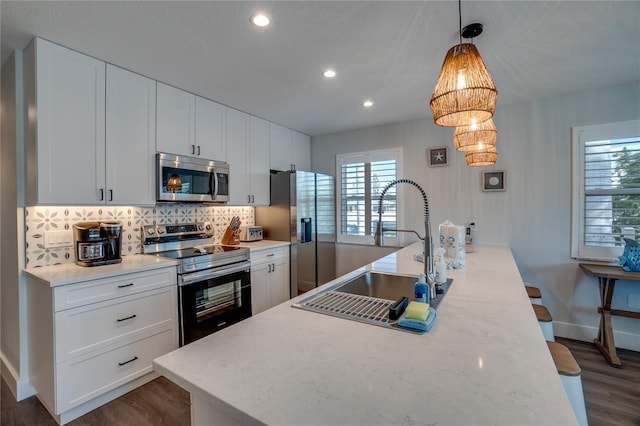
231, 237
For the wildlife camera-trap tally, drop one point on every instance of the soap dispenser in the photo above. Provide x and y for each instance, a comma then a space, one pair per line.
421, 289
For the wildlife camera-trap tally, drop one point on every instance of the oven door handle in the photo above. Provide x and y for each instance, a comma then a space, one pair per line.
205, 275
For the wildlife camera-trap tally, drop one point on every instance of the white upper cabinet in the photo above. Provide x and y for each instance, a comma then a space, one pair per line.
289, 150
258, 160
280, 147
65, 133
190, 125
300, 150
90, 130
131, 137
176, 121
238, 128
211, 129
248, 157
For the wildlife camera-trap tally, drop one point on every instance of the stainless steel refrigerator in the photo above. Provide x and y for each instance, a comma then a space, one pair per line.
302, 211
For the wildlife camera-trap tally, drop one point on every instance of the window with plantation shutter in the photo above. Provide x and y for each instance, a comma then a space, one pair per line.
361, 179
606, 189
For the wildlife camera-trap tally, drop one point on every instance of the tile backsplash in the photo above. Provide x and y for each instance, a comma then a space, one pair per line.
47, 218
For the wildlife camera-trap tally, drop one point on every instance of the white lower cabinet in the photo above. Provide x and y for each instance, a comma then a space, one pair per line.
269, 278
92, 341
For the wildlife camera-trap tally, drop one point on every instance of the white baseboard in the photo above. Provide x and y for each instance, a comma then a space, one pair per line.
584, 333
19, 387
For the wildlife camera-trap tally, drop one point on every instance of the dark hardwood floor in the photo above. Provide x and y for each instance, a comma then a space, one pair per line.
612, 397
157, 403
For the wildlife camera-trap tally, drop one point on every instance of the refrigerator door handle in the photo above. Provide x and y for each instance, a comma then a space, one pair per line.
306, 230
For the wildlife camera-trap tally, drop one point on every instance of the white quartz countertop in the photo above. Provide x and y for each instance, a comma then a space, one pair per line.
484, 362
71, 273
264, 244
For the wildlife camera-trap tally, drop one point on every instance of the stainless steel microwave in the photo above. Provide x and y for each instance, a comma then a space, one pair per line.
191, 179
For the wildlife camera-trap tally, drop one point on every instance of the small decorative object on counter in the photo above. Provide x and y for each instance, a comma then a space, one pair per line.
452, 240
232, 233
630, 259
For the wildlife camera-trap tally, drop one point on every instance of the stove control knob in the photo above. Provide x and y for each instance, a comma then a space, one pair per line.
208, 227
151, 231
200, 227
160, 230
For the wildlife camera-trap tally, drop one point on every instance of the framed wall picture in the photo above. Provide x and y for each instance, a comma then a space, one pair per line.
438, 156
493, 181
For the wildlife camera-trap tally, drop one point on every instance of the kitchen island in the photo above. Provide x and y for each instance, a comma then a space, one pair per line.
484, 361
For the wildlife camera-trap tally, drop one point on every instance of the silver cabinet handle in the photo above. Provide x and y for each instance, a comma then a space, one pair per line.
125, 285
127, 362
271, 255
273, 268
127, 318
193, 149
249, 199
111, 195
101, 194
198, 149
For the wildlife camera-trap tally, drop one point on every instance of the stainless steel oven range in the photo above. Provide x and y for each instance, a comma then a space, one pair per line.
214, 281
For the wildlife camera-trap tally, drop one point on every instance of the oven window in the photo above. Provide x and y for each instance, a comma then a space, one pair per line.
212, 299
213, 304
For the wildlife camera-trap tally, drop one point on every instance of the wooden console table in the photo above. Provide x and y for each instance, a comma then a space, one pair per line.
607, 276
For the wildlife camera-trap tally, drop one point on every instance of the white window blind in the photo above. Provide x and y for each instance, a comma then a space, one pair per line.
606, 201
363, 176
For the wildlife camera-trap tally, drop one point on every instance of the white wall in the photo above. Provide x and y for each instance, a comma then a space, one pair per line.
533, 215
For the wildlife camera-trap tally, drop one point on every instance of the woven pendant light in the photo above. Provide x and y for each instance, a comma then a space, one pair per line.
486, 156
465, 90
476, 135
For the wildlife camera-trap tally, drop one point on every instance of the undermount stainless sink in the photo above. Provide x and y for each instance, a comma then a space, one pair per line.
367, 298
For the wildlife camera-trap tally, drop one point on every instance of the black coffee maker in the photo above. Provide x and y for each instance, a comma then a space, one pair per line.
98, 243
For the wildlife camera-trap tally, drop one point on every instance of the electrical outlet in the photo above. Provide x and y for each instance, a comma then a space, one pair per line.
58, 239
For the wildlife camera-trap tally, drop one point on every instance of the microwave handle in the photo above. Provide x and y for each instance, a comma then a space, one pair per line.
213, 184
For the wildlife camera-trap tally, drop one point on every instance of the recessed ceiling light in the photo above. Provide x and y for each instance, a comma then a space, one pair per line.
260, 20
329, 73
367, 104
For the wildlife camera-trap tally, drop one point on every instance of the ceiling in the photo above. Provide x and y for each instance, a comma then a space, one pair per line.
387, 51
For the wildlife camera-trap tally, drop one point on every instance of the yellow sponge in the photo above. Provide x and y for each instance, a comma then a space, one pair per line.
417, 310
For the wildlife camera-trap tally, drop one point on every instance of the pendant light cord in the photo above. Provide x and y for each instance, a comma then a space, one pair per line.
460, 19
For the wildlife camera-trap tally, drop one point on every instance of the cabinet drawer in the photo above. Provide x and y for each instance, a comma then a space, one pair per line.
80, 381
268, 256
74, 295
88, 328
